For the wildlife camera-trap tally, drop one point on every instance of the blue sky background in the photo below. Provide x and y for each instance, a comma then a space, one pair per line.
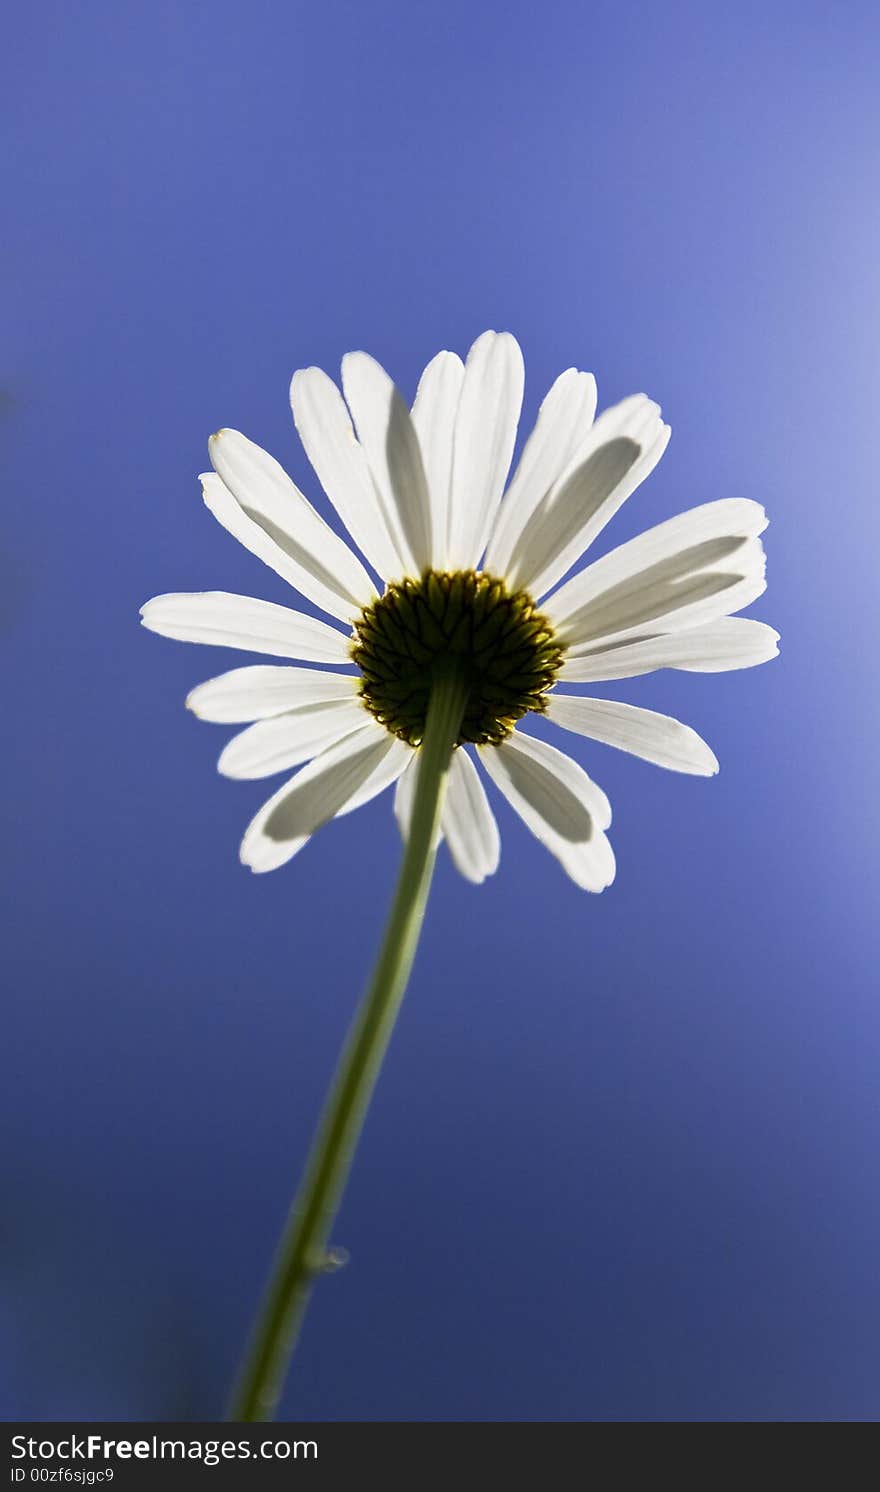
622, 1162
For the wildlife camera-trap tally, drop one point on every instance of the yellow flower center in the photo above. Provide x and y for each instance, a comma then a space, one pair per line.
503, 645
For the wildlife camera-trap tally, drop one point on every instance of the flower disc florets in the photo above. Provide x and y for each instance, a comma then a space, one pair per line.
466, 619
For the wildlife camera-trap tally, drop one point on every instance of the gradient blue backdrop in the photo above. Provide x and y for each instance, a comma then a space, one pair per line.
622, 1163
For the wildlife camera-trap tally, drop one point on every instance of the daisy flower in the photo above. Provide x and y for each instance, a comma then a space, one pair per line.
458, 618
453, 570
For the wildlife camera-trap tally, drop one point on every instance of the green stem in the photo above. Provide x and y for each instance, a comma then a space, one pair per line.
302, 1255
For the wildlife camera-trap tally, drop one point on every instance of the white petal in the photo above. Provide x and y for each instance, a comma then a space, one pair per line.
264, 689
338, 781
326, 432
468, 821
692, 569
621, 449
556, 799
385, 430
254, 498
382, 776
282, 742
229, 621
732, 642
564, 419
404, 795
656, 738
434, 413
654, 601
485, 434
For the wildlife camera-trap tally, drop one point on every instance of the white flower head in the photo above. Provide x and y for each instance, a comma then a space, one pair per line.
471, 571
